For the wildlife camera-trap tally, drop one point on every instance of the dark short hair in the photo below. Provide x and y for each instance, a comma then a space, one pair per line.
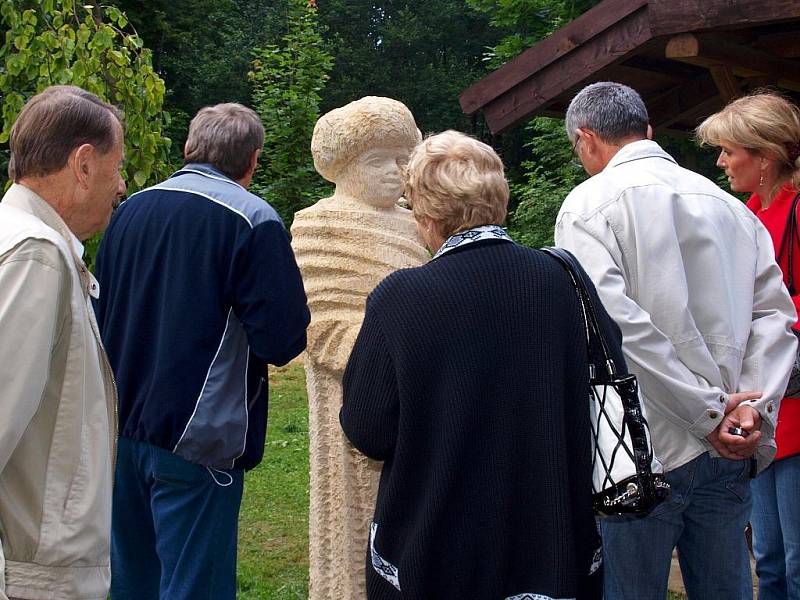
55, 122
225, 136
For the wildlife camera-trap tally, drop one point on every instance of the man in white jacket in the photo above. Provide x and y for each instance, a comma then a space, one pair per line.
689, 275
57, 394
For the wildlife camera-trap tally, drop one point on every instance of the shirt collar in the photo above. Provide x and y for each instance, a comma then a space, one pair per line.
470, 236
77, 246
636, 151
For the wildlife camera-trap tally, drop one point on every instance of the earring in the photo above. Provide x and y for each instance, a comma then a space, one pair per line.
761, 181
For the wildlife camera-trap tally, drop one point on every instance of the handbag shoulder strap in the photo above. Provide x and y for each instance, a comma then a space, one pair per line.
577, 276
789, 233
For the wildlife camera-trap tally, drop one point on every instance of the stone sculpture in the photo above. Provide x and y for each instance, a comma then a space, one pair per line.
345, 245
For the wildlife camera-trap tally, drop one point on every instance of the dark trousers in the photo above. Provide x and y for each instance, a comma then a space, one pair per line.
174, 527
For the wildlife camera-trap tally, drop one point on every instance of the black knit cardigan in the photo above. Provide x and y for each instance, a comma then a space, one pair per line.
469, 378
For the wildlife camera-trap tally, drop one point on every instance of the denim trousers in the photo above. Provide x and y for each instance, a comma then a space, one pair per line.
776, 530
704, 517
174, 527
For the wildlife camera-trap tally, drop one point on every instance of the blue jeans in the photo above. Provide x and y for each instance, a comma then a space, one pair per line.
776, 530
174, 527
704, 516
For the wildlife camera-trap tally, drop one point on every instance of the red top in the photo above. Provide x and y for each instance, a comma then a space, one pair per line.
774, 218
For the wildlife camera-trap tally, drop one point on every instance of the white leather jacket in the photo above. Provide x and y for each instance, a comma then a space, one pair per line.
57, 412
689, 275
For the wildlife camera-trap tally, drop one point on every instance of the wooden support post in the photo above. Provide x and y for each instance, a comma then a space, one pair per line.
725, 81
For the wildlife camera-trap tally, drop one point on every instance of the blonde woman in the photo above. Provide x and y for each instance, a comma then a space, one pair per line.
759, 141
469, 378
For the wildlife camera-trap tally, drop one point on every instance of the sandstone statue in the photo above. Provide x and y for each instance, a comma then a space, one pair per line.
345, 245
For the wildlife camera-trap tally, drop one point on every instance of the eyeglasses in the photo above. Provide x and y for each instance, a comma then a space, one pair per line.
575, 147
576, 159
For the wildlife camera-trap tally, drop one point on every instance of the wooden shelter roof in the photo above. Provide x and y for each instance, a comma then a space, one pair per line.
686, 58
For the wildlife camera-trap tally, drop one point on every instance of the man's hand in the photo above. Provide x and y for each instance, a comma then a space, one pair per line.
748, 419
736, 399
736, 447
722, 449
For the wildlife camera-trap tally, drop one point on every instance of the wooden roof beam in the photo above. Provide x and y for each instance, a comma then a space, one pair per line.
711, 51
609, 47
552, 48
785, 44
681, 101
669, 17
725, 81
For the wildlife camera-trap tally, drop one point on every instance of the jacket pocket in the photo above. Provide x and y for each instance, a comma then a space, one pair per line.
174, 470
382, 567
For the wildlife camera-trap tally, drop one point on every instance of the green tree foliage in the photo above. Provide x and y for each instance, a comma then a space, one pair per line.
202, 49
60, 42
547, 170
287, 80
527, 22
550, 174
421, 53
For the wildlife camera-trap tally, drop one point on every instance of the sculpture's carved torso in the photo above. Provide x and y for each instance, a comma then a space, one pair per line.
345, 245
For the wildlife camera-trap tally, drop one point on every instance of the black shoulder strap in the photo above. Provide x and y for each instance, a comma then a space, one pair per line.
789, 233
576, 274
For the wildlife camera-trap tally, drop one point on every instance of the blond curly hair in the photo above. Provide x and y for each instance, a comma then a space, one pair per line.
457, 182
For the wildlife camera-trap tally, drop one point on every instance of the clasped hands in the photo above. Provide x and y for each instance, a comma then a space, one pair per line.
737, 447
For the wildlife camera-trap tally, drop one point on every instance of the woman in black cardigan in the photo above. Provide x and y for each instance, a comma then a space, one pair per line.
469, 378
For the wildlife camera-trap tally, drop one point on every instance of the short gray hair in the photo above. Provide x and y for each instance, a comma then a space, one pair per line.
225, 136
53, 123
612, 110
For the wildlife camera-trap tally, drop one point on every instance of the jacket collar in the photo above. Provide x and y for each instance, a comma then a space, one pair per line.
636, 151
476, 234
26, 200
204, 168
32, 203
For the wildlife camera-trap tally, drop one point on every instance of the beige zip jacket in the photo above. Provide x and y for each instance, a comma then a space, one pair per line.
57, 412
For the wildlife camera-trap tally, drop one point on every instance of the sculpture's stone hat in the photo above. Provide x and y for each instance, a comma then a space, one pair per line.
342, 134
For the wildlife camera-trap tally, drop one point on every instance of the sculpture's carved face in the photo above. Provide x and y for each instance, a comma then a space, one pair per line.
375, 177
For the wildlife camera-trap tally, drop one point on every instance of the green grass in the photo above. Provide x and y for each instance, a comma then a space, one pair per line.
273, 525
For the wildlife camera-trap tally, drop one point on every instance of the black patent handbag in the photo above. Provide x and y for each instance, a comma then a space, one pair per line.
627, 478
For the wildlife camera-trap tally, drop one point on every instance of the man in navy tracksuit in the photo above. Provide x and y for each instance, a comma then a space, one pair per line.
200, 292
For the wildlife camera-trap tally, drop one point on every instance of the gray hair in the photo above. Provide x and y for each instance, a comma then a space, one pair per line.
225, 136
612, 110
53, 123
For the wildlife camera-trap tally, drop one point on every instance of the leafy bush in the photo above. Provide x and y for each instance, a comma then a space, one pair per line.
550, 175
287, 80
52, 42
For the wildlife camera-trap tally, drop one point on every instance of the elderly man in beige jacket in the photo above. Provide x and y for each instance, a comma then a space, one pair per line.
57, 395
